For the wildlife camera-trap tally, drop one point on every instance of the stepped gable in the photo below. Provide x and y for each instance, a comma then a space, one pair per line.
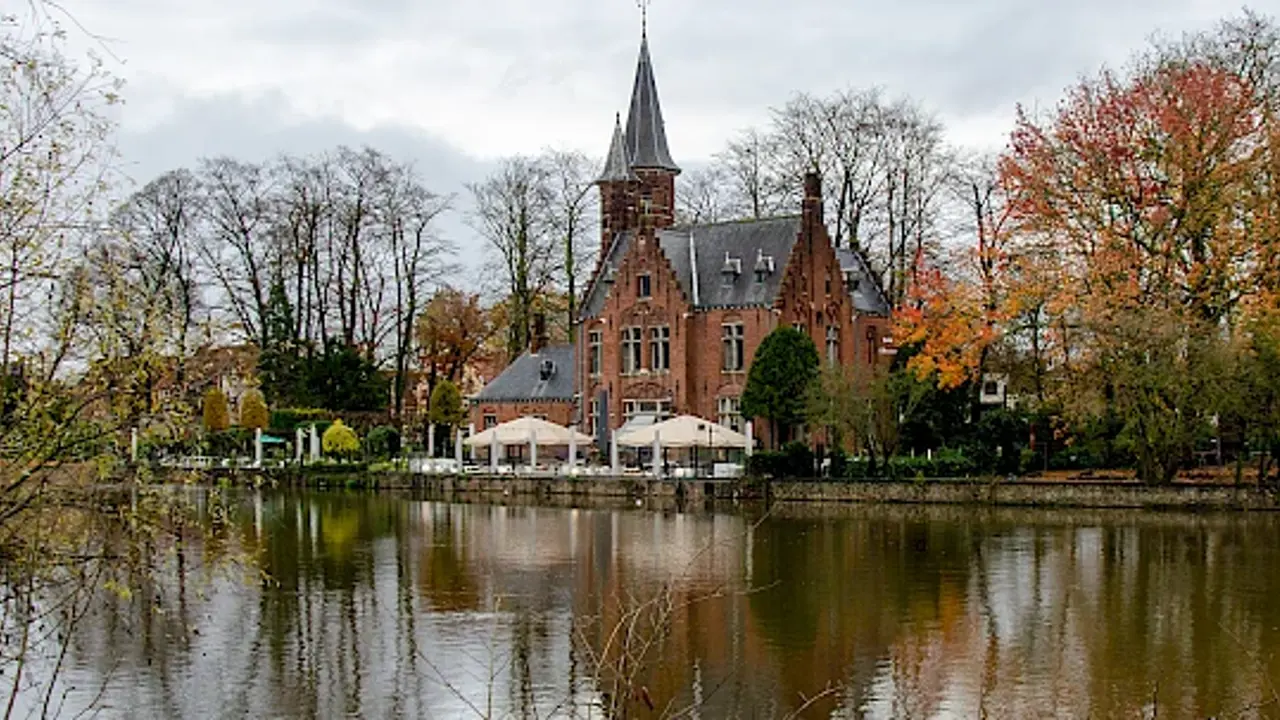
707, 286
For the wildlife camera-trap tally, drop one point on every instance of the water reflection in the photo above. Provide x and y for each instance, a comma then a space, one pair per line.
392, 606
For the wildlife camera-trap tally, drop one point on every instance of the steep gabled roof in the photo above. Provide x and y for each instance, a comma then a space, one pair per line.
699, 269
740, 246
617, 166
523, 380
646, 133
863, 285
726, 255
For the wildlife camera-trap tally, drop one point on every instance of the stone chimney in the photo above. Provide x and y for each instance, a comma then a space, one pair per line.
811, 206
539, 338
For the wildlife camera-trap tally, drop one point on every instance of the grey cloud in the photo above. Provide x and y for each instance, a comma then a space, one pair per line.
260, 129
971, 57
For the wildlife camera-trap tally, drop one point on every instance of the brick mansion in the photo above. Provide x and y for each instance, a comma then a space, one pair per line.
673, 313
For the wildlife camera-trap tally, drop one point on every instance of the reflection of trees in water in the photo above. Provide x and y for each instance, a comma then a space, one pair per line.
371, 599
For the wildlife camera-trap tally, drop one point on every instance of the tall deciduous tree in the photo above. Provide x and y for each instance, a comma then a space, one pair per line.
451, 331
1146, 199
511, 214
885, 171
571, 179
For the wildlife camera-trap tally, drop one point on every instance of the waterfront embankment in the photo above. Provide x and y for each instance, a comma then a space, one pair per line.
965, 491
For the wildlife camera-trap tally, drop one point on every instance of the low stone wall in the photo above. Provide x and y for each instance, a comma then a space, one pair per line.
930, 492
1039, 494
628, 487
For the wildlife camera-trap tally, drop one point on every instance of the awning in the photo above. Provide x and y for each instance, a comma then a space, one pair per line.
681, 432
522, 430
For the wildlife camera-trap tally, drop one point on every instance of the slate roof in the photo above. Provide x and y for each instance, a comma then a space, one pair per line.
522, 380
740, 244
745, 241
748, 244
617, 166
863, 285
646, 133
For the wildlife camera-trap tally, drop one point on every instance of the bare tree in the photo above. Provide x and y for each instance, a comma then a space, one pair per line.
237, 248
750, 178
54, 157
884, 169
704, 196
571, 177
407, 211
511, 214
151, 262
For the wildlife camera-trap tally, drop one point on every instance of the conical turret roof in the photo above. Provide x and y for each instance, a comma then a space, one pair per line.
646, 136
617, 166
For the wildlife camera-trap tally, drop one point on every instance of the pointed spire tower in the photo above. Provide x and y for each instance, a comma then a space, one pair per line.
638, 181
646, 133
619, 189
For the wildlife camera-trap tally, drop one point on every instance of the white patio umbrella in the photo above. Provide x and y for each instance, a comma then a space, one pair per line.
521, 430
684, 431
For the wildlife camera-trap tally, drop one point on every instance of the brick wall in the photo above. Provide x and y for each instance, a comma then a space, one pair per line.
560, 413
813, 297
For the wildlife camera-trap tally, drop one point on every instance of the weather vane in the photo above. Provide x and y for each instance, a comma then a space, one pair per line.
644, 15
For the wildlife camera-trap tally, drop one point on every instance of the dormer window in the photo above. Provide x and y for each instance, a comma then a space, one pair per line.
764, 266
643, 286
547, 369
609, 274
731, 269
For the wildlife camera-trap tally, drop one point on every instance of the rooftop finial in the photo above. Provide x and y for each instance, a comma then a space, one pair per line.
644, 17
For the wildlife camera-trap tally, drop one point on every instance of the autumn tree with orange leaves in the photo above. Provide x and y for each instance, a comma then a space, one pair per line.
450, 333
1148, 198
1122, 247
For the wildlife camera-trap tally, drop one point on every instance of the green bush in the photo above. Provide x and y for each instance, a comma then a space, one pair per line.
794, 460
229, 442
383, 442
945, 463
839, 464
340, 441
286, 420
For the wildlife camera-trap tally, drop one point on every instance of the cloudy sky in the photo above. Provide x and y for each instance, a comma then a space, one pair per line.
454, 84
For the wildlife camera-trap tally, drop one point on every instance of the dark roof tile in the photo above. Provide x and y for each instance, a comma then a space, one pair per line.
646, 133
522, 380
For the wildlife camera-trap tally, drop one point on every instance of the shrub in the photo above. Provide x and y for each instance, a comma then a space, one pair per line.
340, 441
839, 463
253, 410
229, 442
286, 420
945, 463
795, 460
857, 468
216, 416
383, 442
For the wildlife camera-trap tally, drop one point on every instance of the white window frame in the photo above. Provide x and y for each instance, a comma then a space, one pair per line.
632, 350
732, 347
660, 408
833, 344
595, 353
660, 348
729, 412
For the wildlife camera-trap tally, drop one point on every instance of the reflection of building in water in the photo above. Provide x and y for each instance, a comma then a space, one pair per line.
374, 602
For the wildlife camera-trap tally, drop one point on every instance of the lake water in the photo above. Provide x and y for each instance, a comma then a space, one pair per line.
387, 606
